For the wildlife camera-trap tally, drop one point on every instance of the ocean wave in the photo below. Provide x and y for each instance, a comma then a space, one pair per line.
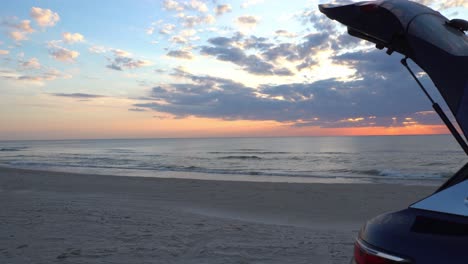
391, 173
419, 175
117, 150
334, 153
170, 168
12, 149
107, 166
249, 152
241, 157
436, 164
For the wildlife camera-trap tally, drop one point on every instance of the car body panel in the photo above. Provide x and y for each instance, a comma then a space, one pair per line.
419, 235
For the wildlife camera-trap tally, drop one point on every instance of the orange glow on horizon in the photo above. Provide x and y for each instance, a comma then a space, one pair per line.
113, 123
209, 127
391, 131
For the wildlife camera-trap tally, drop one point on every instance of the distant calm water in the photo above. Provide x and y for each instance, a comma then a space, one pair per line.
402, 159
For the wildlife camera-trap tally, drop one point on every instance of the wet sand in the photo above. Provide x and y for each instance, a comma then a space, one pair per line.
51, 217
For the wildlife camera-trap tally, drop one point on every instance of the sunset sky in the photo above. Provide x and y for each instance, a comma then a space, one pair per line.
155, 68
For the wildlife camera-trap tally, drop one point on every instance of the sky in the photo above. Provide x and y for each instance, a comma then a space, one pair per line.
166, 68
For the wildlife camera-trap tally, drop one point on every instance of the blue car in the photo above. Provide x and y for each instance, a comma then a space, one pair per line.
433, 230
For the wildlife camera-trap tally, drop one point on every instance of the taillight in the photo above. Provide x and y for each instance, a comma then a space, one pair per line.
364, 254
368, 8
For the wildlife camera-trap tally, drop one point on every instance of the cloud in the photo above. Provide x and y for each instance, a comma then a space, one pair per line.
380, 94
443, 5
184, 36
4, 52
197, 5
137, 110
190, 21
209, 93
224, 41
269, 56
19, 31
37, 78
288, 51
222, 9
194, 5
61, 53
453, 3
179, 40
173, 5
44, 17
345, 41
78, 95
181, 54
250, 63
33, 63
248, 20
72, 37
150, 31
17, 35
22, 26
97, 49
121, 63
121, 53
167, 29
31, 71
258, 43
285, 33
123, 60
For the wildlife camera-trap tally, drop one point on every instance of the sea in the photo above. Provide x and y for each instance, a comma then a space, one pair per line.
414, 160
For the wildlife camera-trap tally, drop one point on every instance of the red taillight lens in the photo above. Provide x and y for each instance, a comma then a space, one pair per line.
365, 255
368, 8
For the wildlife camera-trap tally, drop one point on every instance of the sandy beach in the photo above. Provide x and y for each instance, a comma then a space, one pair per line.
51, 217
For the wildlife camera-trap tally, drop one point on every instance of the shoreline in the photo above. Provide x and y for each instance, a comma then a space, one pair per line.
204, 176
51, 216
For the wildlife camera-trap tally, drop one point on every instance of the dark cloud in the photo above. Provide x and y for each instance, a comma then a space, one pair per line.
39, 77
248, 20
303, 51
234, 49
285, 33
283, 50
114, 66
121, 60
229, 49
120, 63
220, 41
319, 21
258, 43
221, 9
380, 91
181, 54
371, 63
137, 110
78, 95
306, 63
232, 54
193, 21
250, 63
345, 41
313, 43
